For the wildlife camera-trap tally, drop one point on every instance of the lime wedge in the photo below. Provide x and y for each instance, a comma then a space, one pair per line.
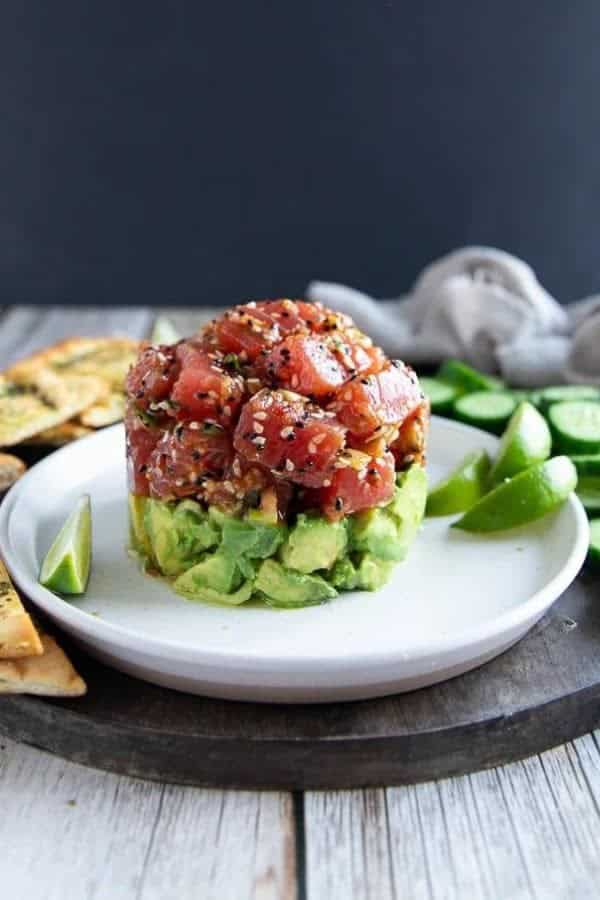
526, 441
594, 556
66, 568
528, 496
465, 485
164, 332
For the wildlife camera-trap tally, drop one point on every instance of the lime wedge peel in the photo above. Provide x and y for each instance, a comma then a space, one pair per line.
465, 485
528, 496
526, 441
66, 567
594, 555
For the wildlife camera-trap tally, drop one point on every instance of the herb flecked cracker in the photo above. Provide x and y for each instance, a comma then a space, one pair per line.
18, 635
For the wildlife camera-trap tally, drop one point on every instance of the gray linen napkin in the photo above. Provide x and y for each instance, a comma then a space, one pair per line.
486, 307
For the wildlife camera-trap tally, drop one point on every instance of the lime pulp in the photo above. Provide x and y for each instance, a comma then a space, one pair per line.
526, 441
66, 567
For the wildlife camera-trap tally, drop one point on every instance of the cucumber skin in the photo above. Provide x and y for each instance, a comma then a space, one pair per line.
444, 407
466, 379
586, 463
563, 442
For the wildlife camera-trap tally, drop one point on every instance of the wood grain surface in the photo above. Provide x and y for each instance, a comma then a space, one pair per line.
526, 830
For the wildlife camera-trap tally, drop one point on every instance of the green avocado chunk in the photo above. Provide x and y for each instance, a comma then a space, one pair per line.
138, 537
386, 533
218, 571
254, 540
178, 534
288, 588
365, 573
313, 543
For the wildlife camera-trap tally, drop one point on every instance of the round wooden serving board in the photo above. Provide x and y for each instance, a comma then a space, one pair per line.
543, 691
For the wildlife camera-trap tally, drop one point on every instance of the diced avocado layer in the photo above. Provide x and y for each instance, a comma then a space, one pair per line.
222, 559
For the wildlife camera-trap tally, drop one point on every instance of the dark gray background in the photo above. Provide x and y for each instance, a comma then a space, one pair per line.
207, 152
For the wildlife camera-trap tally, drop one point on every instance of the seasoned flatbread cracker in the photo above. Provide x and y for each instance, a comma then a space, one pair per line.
59, 435
48, 675
105, 412
18, 636
41, 400
106, 358
11, 469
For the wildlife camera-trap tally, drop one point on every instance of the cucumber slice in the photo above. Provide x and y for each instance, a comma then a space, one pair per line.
594, 555
526, 441
561, 392
489, 410
465, 485
575, 426
441, 395
588, 491
588, 483
466, 379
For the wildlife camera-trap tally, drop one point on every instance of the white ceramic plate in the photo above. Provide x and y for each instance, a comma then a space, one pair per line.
455, 603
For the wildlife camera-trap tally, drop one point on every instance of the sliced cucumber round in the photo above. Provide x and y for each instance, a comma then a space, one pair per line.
575, 426
489, 410
467, 379
594, 555
441, 395
588, 483
561, 392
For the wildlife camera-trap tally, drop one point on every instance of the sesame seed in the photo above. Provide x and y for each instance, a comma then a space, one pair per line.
258, 427
287, 431
179, 482
194, 426
312, 447
327, 483
289, 465
227, 410
294, 381
362, 474
347, 395
260, 415
319, 438
259, 441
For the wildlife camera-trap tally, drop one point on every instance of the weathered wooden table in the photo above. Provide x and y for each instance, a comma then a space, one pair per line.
529, 829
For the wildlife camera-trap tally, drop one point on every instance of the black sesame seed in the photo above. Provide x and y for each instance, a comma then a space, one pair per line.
339, 503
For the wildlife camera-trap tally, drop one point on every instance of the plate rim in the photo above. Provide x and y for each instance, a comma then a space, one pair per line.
522, 616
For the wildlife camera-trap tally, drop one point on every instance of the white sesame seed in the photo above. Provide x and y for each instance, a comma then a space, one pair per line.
229, 487
347, 395
237, 469
179, 482
327, 483
227, 410
362, 474
260, 415
213, 394
251, 305
311, 447
257, 427
289, 465
259, 441
285, 432
319, 438
295, 381
194, 426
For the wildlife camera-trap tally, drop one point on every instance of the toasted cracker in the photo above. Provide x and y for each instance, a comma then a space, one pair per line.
11, 469
18, 636
106, 358
33, 402
48, 675
105, 412
59, 435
